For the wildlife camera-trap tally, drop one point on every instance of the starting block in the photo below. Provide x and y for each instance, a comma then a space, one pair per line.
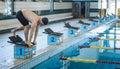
84, 28
72, 31
53, 38
17, 41
100, 21
93, 24
112, 16
22, 52
21, 49
106, 19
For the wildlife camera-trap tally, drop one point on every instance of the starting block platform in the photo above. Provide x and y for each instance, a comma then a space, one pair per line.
21, 49
72, 31
53, 38
22, 52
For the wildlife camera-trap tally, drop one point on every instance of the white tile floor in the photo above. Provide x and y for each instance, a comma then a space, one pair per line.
7, 50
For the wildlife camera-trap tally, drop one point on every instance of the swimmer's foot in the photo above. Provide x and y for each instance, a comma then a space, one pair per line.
29, 44
34, 43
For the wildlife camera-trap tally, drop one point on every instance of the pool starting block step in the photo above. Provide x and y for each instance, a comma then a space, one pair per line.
81, 22
22, 43
70, 27
93, 20
17, 41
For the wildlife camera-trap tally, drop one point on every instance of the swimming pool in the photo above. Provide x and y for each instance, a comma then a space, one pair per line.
94, 54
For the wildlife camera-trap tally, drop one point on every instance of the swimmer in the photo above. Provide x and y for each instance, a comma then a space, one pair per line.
29, 19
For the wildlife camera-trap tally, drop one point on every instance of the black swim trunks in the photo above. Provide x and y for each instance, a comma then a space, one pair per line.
21, 18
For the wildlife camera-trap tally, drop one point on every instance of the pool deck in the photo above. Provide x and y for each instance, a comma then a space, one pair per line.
43, 50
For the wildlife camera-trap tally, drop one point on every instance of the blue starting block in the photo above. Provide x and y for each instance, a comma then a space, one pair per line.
100, 21
23, 52
111, 17
114, 16
84, 28
53, 40
72, 32
106, 19
93, 24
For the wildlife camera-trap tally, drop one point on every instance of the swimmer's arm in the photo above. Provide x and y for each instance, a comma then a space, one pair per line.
33, 28
36, 33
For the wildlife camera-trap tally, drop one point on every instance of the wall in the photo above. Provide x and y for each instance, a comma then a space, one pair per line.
2, 7
61, 11
94, 11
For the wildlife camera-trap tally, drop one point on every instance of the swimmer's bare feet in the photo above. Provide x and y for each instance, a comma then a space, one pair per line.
29, 44
34, 42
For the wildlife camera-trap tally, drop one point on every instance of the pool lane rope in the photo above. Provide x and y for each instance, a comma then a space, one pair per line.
87, 60
99, 47
106, 39
108, 33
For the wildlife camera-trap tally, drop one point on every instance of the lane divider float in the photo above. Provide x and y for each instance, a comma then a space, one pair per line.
88, 60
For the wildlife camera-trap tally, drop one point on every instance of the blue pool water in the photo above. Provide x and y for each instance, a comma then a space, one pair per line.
93, 54
102, 56
54, 63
